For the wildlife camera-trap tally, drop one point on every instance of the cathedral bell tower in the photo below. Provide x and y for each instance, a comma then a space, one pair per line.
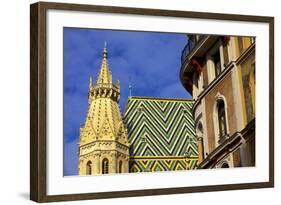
103, 146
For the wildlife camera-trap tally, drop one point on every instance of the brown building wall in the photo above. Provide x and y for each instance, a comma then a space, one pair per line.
224, 87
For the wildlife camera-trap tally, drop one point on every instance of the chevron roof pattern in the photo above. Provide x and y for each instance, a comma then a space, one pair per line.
161, 134
162, 164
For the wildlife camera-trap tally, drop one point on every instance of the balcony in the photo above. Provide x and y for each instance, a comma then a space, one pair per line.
196, 48
186, 50
192, 41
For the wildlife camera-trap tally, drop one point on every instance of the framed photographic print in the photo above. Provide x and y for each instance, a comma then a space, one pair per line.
134, 102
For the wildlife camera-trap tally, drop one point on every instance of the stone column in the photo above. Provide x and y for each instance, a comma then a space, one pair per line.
98, 170
113, 162
126, 164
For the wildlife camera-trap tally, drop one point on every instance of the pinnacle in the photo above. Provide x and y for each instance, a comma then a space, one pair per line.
105, 76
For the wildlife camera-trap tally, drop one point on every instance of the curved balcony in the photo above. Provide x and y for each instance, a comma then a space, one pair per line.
194, 49
186, 50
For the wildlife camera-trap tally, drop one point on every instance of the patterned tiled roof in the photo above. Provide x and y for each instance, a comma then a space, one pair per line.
161, 134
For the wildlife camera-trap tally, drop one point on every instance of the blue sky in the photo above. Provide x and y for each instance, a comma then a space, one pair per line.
151, 60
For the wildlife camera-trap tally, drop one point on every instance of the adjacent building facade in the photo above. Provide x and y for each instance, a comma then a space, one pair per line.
219, 73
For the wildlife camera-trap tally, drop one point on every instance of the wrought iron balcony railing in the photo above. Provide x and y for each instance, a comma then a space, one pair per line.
188, 47
191, 43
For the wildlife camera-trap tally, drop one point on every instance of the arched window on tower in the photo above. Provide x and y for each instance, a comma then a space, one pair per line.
221, 118
105, 166
120, 166
89, 168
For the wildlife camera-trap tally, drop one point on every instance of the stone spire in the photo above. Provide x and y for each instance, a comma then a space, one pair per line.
104, 87
104, 133
105, 76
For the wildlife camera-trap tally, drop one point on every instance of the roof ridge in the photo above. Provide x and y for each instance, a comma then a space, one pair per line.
158, 98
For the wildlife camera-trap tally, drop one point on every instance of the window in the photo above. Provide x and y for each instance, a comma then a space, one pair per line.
221, 118
105, 166
200, 130
225, 54
89, 168
217, 63
120, 166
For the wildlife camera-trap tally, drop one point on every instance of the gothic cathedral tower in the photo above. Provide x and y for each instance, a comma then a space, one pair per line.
103, 146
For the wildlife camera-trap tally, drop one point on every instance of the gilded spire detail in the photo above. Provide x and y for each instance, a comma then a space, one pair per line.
104, 131
105, 76
90, 82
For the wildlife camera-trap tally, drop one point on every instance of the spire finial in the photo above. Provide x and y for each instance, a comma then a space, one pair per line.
105, 50
130, 86
90, 82
105, 76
